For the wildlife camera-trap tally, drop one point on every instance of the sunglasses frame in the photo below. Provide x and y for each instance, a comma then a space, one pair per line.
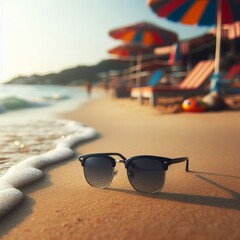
164, 160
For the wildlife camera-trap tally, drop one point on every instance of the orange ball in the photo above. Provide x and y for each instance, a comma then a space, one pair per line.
193, 105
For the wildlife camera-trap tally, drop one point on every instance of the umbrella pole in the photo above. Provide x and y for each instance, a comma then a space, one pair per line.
129, 69
139, 66
213, 100
218, 36
215, 81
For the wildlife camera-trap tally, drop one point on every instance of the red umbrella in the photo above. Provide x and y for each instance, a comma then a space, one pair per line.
130, 50
144, 33
205, 13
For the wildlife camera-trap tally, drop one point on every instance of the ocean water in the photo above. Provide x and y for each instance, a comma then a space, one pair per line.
35, 99
32, 137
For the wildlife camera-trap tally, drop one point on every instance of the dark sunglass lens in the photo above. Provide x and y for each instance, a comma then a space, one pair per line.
98, 171
146, 175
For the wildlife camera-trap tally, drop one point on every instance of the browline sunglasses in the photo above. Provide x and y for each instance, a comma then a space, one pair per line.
146, 173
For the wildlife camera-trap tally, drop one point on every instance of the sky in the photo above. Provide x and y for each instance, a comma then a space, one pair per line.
45, 36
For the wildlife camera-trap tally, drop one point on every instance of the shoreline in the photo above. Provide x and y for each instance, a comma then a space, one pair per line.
63, 206
26, 128
28, 165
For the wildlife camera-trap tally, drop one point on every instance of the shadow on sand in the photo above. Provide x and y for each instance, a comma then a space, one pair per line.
220, 202
24, 209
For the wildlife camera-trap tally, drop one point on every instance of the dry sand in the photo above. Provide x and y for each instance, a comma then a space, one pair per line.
202, 204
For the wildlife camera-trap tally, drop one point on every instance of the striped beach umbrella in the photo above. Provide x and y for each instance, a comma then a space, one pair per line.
129, 50
199, 12
144, 33
202, 13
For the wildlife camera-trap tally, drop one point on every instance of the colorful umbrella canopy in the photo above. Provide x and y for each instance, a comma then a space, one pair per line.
130, 50
203, 13
144, 33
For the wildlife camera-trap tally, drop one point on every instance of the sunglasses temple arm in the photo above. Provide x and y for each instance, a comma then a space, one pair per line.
182, 159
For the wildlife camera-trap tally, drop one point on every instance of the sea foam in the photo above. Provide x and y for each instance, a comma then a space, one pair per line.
29, 170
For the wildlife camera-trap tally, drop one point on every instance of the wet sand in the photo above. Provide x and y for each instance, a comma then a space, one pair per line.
201, 204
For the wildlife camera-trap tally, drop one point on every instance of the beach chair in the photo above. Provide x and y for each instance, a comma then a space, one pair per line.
153, 80
230, 84
233, 72
193, 84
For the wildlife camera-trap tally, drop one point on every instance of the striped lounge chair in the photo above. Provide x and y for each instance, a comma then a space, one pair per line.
191, 85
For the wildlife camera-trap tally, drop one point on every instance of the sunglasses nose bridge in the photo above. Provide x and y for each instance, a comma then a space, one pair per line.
120, 161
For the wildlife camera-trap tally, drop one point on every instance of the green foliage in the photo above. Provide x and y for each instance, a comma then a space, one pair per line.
76, 75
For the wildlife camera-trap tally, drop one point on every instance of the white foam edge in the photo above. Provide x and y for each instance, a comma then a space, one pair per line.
29, 170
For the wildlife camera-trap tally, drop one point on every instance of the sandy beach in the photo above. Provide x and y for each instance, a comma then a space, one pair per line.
201, 204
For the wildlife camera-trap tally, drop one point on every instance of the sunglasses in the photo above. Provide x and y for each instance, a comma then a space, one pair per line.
145, 173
